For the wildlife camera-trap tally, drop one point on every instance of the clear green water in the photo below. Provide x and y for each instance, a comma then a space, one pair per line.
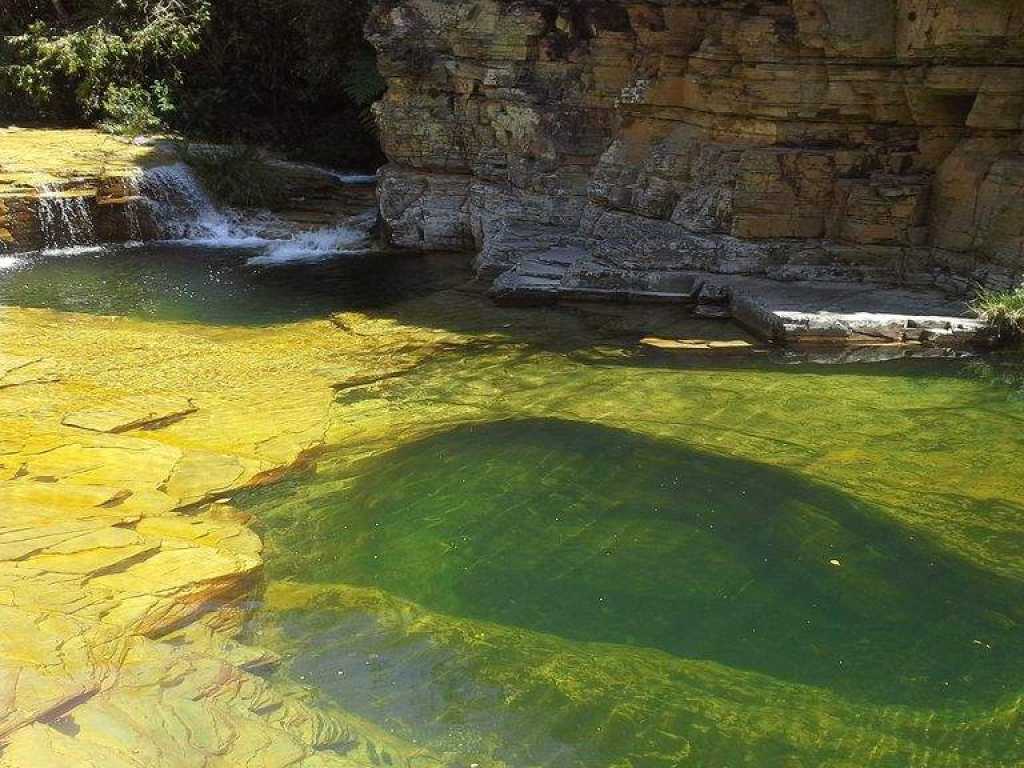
586, 559
551, 546
181, 282
599, 535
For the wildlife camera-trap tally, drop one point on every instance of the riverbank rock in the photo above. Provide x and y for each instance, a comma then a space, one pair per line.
126, 575
71, 186
793, 139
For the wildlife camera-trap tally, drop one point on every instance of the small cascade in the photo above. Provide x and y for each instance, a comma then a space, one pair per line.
353, 236
64, 220
133, 208
182, 210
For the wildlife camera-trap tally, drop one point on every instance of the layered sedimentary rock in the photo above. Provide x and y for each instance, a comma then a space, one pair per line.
126, 576
70, 187
615, 142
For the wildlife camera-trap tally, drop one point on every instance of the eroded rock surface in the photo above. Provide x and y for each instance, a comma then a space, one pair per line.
87, 173
816, 139
125, 572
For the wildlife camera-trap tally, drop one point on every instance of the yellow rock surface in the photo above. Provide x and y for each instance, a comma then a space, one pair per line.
133, 412
125, 573
32, 157
121, 584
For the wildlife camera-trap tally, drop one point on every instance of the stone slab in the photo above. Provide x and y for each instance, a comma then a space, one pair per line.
846, 313
134, 412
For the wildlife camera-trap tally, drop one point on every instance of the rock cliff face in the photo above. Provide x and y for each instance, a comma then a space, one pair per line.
620, 142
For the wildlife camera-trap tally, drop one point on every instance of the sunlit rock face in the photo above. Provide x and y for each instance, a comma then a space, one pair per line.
876, 139
71, 187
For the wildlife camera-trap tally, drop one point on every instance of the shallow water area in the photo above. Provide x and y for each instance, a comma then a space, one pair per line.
217, 284
642, 563
589, 536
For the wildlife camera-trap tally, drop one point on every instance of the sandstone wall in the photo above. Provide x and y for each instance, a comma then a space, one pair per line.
877, 139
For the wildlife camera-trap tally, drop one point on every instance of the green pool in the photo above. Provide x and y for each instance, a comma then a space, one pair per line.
594, 559
547, 543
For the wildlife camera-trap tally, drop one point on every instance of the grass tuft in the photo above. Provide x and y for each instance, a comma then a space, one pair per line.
1004, 310
238, 176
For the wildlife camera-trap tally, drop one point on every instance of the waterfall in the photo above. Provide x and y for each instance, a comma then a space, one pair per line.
180, 210
133, 207
64, 220
183, 211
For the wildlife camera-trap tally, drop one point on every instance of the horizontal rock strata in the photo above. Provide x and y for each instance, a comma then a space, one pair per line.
56, 181
870, 140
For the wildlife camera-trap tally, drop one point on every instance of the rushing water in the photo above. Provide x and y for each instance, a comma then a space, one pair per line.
65, 221
555, 546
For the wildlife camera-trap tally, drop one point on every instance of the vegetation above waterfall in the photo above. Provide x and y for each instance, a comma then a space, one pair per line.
282, 73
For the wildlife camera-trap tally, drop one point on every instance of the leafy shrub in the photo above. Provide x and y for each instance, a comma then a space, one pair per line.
131, 111
363, 82
112, 64
1004, 310
281, 72
238, 176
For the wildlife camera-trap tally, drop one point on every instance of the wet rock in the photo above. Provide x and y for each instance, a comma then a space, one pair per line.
122, 592
841, 313
90, 167
135, 412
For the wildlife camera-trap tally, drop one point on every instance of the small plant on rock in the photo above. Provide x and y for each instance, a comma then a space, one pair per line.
238, 176
1003, 310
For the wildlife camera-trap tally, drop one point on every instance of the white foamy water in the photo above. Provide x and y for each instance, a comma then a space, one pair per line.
9, 262
312, 246
65, 220
340, 176
354, 178
73, 250
185, 213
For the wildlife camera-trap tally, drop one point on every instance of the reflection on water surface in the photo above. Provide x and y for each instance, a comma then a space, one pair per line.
182, 282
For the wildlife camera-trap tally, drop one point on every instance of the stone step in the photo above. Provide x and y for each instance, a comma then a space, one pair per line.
849, 313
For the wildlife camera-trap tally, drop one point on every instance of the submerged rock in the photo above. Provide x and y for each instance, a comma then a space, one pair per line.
123, 594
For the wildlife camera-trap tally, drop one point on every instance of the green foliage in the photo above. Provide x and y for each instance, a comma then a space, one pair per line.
131, 111
111, 61
1004, 310
238, 176
285, 72
363, 82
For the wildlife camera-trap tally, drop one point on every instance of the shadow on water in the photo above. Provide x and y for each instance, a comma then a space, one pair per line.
187, 283
191, 283
599, 535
